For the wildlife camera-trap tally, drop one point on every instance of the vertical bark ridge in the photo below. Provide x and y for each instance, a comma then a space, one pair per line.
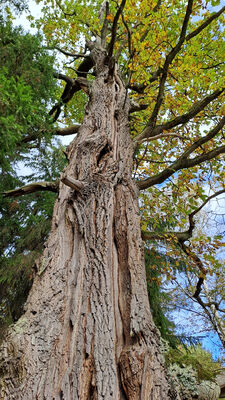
87, 332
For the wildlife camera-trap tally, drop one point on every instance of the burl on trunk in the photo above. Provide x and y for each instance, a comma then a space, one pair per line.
87, 332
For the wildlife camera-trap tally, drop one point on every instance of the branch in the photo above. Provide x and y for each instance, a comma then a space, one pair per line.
68, 131
72, 85
168, 61
114, 28
205, 24
131, 52
205, 139
183, 162
180, 237
63, 77
105, 24
163, 135
32, 188
66, 14
72, 183
149, 131
206, 201
67, 53
137, 107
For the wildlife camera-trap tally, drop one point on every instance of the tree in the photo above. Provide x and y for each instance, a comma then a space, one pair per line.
26, 90
87, 331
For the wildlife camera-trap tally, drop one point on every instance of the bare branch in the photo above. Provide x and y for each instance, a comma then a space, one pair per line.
32, 188
72, 183
68, 131
67, 53
72, 86
63, 77
134, 107
163, 135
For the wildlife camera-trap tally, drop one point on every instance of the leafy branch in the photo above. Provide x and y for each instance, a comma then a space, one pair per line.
184, 162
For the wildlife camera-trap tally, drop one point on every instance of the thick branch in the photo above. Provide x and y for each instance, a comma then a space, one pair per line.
68, 131
67, 53
168, 61
206, 201
114, 28
72, 183
205, 24
32, 188
72, 85
184, 162
164, 135
105, 25
150, 129
63, 77
212, 133
178, 165
134, 107
178, 236
181, 119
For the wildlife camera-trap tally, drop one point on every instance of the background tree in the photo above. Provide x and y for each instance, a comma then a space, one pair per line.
26, 90
87, 331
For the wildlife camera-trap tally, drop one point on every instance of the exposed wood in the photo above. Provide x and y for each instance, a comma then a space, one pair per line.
32, 188
73, 183
71, 130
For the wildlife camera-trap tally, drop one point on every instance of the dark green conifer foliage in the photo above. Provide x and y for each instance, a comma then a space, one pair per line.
27, 148
157, 298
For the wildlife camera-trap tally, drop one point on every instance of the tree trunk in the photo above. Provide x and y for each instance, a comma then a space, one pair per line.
87, 332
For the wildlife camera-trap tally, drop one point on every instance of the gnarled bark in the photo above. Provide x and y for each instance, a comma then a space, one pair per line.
87, 332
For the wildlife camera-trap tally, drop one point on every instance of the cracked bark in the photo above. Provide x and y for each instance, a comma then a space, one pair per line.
87, 332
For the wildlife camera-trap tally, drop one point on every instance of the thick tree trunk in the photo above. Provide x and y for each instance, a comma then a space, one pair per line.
87, 332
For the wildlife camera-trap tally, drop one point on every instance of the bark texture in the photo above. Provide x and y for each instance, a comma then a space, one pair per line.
87, 332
